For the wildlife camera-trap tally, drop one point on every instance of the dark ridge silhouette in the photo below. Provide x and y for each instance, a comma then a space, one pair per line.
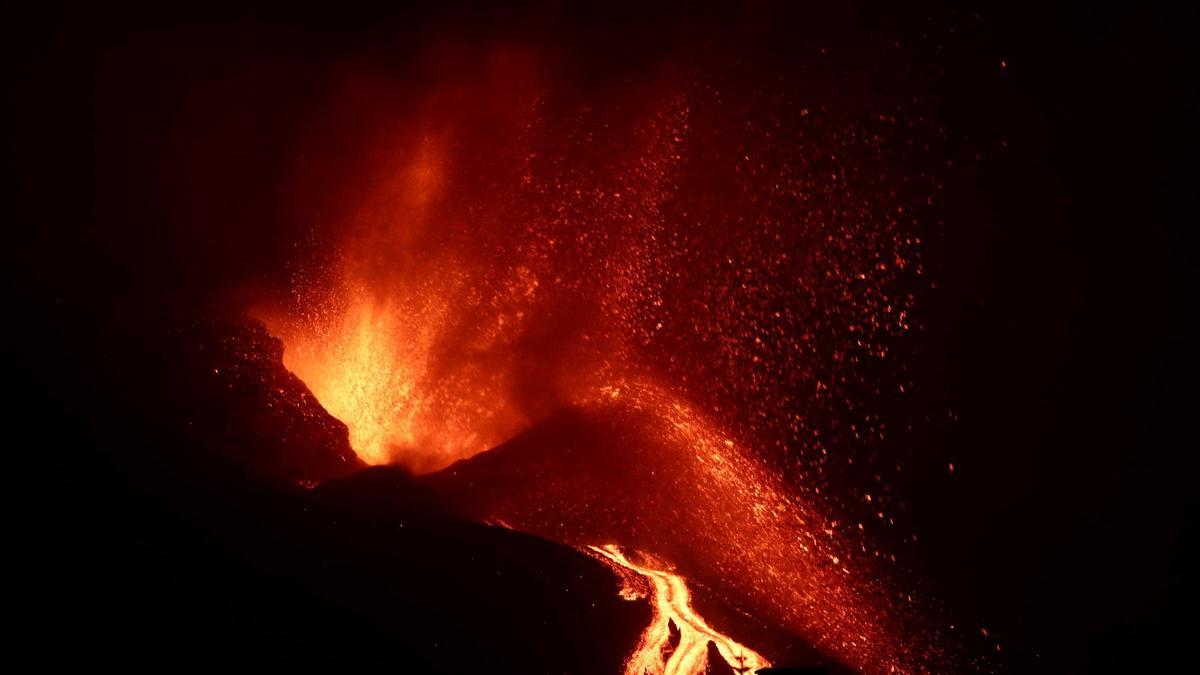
209, 546
715, 664
581, 476
673, 642
240, 401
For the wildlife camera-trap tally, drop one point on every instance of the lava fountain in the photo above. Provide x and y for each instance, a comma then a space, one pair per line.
506, 248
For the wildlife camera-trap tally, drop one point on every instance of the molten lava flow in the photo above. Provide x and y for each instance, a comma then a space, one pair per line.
671, 604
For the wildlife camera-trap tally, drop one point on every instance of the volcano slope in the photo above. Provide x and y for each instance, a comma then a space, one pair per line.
608, 474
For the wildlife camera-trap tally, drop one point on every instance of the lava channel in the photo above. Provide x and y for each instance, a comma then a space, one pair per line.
671, 603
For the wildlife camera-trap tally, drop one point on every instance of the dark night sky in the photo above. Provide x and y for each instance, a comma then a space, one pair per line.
1060, 332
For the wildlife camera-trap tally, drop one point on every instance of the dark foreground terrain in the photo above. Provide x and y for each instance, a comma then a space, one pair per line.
200, 552
247, 532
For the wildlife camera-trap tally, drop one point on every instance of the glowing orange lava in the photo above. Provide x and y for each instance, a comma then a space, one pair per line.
409, 339
670, 601
374, 364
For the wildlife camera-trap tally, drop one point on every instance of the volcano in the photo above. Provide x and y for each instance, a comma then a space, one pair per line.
551, 514
601, 337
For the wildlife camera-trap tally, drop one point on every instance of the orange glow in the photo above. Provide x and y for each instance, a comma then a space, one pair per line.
407, 343
374, 365
495, 259
671, 603
699, 494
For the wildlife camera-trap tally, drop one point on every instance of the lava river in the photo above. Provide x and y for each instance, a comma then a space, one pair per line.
672, 606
